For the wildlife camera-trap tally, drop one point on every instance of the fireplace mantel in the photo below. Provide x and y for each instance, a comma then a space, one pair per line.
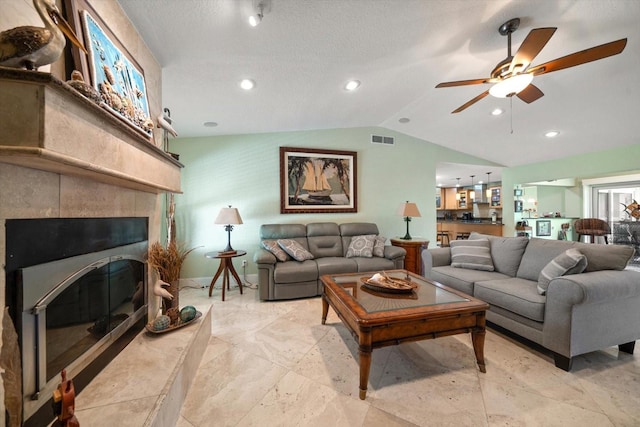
45, 124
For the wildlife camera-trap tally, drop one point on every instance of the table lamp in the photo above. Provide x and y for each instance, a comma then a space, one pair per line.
408, 210
228, 216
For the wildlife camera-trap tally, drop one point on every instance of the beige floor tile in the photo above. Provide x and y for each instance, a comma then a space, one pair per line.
298, 401
274, 364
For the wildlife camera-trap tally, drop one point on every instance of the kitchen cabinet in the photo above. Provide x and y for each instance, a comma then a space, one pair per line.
450, 202
453, 228
495, 200
463, 200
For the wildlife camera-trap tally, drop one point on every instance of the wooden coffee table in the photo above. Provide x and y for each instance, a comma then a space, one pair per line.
379, 319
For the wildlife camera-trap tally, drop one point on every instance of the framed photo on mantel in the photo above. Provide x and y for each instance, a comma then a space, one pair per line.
317, 181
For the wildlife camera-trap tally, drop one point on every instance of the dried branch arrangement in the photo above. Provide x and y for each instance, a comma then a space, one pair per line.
168, 261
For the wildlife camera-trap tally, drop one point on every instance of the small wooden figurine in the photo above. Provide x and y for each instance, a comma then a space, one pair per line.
64, 403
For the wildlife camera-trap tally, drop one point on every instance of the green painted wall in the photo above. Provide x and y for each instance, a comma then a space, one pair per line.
244, 171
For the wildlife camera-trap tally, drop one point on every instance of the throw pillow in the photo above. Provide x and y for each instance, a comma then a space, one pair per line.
361, 246
295, 249
378, 246
272, 246
471, 254
571, 261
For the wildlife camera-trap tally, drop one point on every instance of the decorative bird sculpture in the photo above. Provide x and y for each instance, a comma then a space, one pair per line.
164, 122
77, 82
160, 291
31, 47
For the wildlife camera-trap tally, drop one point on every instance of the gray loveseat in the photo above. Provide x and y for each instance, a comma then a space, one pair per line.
578, 314
328, 243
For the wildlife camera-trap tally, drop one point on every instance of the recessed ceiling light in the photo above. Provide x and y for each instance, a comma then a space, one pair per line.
552, 134
497, 112
210, 124
352, 85
404, 120
247, 84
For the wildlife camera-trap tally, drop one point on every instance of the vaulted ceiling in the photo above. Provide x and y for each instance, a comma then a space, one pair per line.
304, 52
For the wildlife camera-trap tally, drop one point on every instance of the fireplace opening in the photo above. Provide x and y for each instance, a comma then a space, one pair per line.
75, 297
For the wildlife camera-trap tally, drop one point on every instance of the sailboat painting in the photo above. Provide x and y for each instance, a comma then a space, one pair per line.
317, 181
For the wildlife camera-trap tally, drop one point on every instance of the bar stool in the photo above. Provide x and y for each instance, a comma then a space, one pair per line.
443, 236
462, 236
592, 227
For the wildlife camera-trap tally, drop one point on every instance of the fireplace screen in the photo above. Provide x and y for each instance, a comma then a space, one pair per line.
73, 308
89, 308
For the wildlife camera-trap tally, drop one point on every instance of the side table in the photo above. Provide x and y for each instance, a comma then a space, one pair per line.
414, 248
226, 266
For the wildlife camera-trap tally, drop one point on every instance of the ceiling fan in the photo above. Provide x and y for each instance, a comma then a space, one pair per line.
513, 75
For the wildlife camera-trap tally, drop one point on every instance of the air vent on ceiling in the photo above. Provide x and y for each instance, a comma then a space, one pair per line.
379, 139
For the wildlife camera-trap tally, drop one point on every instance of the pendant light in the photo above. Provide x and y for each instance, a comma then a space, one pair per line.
472, 193
457, 186
488, 192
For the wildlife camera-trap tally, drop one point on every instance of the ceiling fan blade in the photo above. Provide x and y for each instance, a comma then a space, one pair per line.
588, 55
530, 48
530, 93
469, 103
463, 83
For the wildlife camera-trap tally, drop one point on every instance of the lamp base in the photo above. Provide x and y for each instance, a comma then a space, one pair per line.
407, 236
228, 250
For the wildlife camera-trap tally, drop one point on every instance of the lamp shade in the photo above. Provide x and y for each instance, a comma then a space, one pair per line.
228, 216
409, 210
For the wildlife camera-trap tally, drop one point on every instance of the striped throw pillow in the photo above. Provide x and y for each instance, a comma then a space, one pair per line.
471, 254
571, 261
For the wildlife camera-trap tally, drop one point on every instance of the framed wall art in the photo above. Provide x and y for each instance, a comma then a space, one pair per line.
543, 228
317, 181
110, 68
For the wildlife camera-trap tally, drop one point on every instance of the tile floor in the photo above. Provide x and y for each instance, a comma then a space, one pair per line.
275, 364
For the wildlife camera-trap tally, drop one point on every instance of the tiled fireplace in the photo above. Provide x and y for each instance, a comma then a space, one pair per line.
63, 158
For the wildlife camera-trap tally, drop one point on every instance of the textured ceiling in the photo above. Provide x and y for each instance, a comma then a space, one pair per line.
303, 52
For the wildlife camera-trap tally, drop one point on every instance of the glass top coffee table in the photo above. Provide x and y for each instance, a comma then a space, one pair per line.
379, 319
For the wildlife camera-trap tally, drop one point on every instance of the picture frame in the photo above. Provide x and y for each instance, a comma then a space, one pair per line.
543, 228
110, 68
318, 181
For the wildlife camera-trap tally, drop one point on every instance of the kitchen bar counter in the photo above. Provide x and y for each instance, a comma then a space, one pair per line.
479, 226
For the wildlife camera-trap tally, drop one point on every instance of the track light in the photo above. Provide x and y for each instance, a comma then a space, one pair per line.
255, 20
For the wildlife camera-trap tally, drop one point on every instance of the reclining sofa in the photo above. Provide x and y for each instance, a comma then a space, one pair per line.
330, 246
529, 293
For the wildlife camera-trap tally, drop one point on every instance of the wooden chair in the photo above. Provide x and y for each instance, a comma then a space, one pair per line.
592, 227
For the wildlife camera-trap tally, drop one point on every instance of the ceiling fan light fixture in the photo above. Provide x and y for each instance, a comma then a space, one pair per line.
511, 85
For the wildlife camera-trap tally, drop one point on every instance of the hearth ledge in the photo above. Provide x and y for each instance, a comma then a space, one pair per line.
134, 390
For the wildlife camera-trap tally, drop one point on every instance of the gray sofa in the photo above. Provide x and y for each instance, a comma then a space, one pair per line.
328, 243
579, 313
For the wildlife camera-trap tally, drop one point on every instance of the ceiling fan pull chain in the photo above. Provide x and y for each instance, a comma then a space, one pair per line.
511, 113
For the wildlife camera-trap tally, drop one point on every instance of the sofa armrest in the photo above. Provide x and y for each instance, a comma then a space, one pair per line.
394, 252
435, 257
263, 256
591, 311
594, 287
